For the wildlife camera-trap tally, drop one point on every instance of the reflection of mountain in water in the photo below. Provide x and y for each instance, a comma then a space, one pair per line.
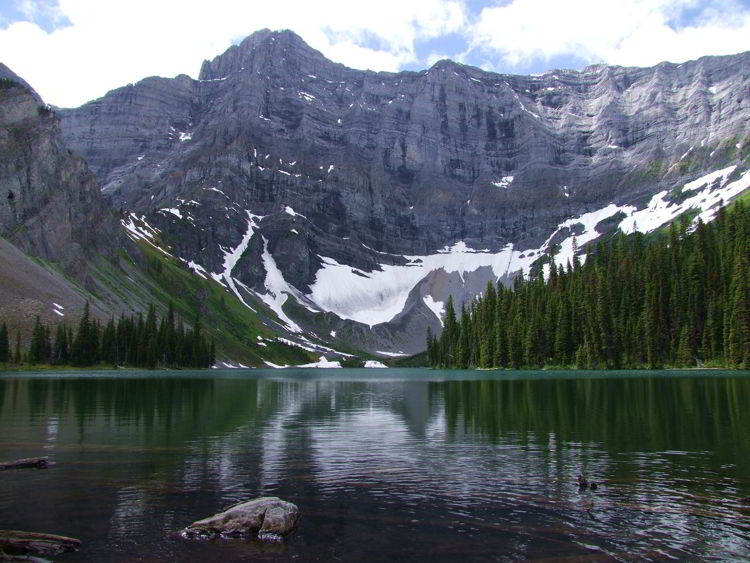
147, 455
171, 411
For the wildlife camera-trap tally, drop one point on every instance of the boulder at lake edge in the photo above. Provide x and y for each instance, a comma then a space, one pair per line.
268, 517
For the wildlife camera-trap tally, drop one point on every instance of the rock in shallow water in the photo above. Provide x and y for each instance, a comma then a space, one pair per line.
269, 517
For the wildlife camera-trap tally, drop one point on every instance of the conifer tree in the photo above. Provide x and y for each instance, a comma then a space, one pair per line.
739, 312
17, 353
635, 302
60, 347
4, 344
36, 350
463, 352
81, 353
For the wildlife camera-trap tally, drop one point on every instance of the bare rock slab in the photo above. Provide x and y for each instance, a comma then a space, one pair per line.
269, 517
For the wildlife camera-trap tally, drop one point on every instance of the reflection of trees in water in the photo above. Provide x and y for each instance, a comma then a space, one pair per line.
172, 407
621, 414
617, 414
181, 448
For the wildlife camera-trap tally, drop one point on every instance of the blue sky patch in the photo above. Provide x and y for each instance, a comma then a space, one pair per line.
44, 13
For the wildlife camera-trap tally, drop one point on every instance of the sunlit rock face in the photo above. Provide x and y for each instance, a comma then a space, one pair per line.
359, 180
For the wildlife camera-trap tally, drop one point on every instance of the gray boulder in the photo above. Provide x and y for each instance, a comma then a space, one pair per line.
269, 517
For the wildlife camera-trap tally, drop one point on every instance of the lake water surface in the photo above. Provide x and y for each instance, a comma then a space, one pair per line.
385, 465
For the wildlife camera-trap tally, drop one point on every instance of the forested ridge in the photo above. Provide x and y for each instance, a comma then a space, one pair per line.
132, 341
681, 299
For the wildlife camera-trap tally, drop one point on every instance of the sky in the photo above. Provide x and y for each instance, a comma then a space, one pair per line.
73, 51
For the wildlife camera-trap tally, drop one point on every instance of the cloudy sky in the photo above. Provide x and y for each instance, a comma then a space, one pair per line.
72, 51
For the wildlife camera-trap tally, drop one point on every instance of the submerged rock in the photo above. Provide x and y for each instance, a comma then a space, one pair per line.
269, 517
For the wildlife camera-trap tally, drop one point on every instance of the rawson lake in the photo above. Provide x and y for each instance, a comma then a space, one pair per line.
384, 464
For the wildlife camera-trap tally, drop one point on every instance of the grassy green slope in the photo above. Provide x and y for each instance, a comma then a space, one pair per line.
130, 284
234, 326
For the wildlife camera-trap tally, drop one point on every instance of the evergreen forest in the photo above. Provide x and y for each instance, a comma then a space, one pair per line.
678, 298
132, 341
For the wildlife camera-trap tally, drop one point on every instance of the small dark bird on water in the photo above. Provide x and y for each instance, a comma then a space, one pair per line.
584, 484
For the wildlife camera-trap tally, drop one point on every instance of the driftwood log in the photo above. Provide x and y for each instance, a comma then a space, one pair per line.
19, 544
38, 462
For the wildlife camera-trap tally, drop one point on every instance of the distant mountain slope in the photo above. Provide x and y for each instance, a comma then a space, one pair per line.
353, 203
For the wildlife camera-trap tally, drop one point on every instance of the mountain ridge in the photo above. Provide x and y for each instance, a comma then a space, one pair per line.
355, 171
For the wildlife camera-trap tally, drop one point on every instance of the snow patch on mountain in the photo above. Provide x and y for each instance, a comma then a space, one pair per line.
138, 229
660, 210
289, 211
278, 289
233, 255
378, 296
504, 182
322, 363
198, 269
589, 222
437, 307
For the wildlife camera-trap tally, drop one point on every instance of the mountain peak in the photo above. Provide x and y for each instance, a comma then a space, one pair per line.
262, 46
7, 74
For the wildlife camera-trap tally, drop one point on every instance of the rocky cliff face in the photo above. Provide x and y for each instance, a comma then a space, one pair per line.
51, 208
50, 205
370, 197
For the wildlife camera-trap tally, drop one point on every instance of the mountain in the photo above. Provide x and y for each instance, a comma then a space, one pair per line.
62, 245
352, 203
51, 205
53, 219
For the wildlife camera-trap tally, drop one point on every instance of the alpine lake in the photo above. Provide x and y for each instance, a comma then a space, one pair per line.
385, 465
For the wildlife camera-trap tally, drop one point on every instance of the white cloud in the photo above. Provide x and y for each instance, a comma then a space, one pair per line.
109, 44
626, 32
34, 10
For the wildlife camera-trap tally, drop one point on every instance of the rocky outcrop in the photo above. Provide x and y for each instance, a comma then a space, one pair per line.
358, 169
50, 205
269, 517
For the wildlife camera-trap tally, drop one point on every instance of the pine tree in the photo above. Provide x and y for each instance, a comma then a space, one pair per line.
17, 353
431, 351
60, 347
563, 345
449, 337
170, 343
211, 354
36, 349
109, 343
463, 351
738, 341
79, 352
4, 344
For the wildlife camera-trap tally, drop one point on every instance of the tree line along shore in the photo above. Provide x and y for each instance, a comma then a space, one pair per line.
678, 298
131, 341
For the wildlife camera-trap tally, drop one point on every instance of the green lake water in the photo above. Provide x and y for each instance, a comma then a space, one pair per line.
385, 465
